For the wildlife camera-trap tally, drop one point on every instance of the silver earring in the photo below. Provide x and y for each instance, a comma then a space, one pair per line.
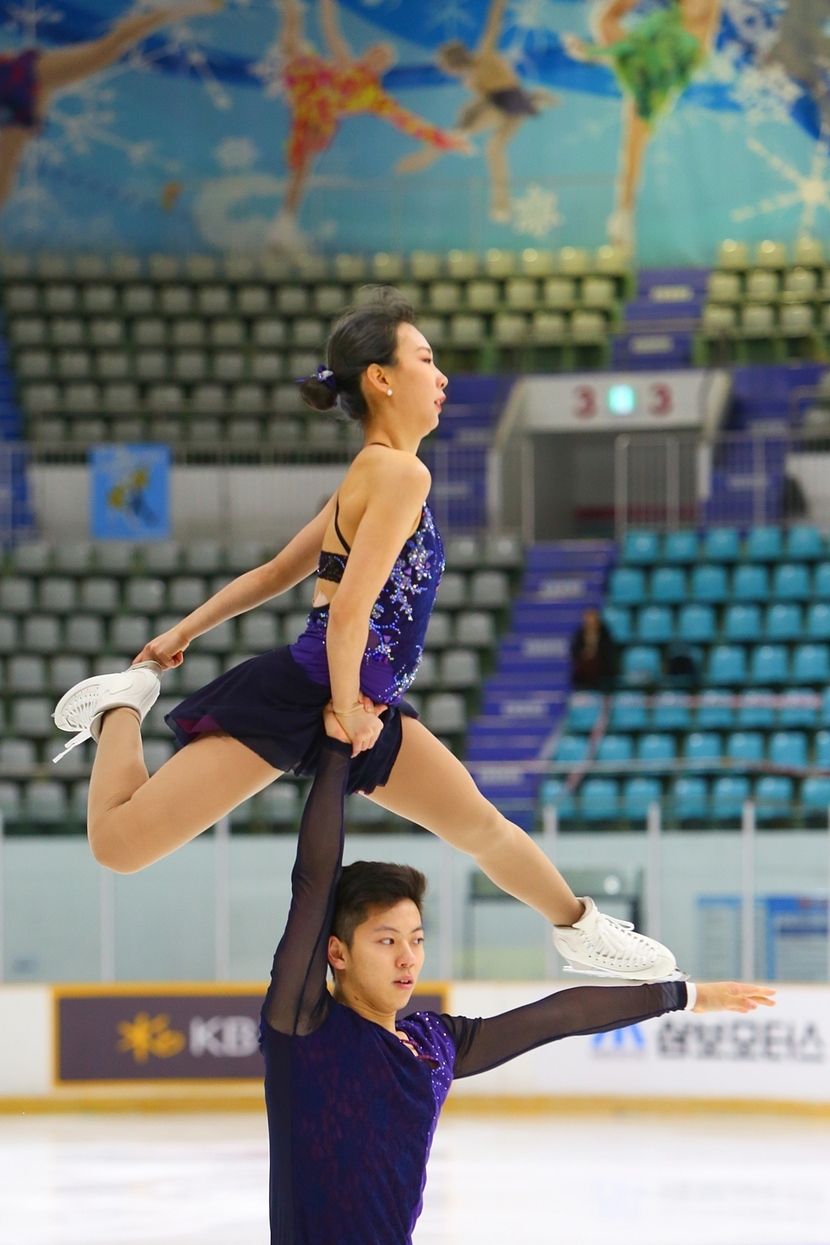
389, 393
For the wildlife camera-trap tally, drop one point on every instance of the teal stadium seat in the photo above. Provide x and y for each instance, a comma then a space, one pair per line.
641, 664
641, 548
671, 712
745, 746
703, 747
715, 711
618, 621
657, 749
628, 586
555, 791
742, 622
638, 794
680, 548
821, 581
696, 624
584, 709
823, 749
690, 798
599, 798
709, 583
824, 710
628, 712
668, 585
727, 664
804, 543
764, 544
750, 583
729, 794
791, 582
769, 664
815, 794
722, 544
784, 622
773, 796
788, 748
818, 621
811, 664
615, 749
571, 749
757, 710
655, 624
797, 709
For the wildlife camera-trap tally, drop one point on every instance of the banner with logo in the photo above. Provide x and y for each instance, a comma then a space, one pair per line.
130, 492
161, 1033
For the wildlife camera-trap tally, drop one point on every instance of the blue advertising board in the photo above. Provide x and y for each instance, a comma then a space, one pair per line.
130, 492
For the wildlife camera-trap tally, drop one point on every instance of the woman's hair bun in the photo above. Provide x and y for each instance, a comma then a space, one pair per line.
317, 394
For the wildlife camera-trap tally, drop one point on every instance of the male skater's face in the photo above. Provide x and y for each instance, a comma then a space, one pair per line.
383, 963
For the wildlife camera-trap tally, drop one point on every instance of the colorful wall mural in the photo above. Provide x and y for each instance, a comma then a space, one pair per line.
240, 125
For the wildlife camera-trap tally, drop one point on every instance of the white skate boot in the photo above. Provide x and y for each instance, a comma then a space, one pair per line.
601, 946
82, 708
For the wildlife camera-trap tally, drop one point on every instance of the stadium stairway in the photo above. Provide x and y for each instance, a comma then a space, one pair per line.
660, 322
523, 701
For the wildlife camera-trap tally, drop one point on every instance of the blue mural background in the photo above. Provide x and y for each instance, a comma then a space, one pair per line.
180, 145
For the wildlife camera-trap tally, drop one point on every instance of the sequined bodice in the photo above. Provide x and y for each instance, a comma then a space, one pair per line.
398, 621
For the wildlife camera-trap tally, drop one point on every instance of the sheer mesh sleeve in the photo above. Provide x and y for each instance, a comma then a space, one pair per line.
297, 999
484, 1044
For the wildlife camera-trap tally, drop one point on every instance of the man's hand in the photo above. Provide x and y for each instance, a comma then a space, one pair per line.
732, 996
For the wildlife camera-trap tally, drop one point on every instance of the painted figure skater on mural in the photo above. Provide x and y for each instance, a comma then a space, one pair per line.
654, 61
378, 559
802, 49
353, 1094
29, 78
320, 91
501, 106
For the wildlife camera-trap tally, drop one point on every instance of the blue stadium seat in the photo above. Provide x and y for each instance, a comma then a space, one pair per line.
811, 664
709, 583
680, 547
640, 548
703, 746
791, 582
821, 581
804, 543
769, 664
715, 711
750, 583
745, 746
818, 621
556, 791
655, 624
641, 664
696, 624
571, 749
742, 622
628, 586
628, 712
618, 749
691, 799
788, 748
729, 794
657, 749
638, 794
618, 621
784, 622
668, 585
722, 544
773, 796
797, 709
727, 664
670, 712
764, 544
823, 749
598, 798
583, 712
757, 710
815, 793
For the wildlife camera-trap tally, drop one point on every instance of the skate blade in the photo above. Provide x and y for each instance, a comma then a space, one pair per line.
677, 975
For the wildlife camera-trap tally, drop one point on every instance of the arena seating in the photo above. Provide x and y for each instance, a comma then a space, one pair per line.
204, 350
766, 307
71, 609
753, 612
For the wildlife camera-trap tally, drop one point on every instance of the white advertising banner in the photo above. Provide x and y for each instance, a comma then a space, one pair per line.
779, 1054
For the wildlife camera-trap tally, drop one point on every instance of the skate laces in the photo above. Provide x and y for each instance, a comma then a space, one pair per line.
78, 715
618, 941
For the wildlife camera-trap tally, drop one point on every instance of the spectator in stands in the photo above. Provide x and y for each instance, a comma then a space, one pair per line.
594, 654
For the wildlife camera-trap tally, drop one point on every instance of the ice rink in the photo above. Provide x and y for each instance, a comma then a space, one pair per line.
626, 1179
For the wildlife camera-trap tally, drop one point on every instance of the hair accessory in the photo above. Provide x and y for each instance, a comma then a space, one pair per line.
323, 373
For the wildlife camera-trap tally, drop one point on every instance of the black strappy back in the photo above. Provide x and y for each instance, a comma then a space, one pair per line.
332, 565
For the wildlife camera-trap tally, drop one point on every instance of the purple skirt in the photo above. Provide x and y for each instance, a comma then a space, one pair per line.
271, 705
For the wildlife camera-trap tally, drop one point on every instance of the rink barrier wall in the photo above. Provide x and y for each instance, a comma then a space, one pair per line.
54, 1059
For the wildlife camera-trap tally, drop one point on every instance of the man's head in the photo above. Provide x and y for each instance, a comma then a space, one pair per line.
376, 947
455, 57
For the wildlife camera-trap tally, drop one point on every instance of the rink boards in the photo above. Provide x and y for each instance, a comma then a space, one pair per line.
196, 1044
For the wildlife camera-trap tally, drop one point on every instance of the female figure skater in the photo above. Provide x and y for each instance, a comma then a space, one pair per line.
654, 62
379, 559
353, 1094
320, 92
501, 106
28, 79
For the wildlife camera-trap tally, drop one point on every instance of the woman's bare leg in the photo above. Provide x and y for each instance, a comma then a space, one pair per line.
431, 787
60, 68
134, 820
13, 139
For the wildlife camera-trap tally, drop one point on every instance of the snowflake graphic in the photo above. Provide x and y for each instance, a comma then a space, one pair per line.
536, 212
236, 153
24, 19
534, 15
451, 15
810, 191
